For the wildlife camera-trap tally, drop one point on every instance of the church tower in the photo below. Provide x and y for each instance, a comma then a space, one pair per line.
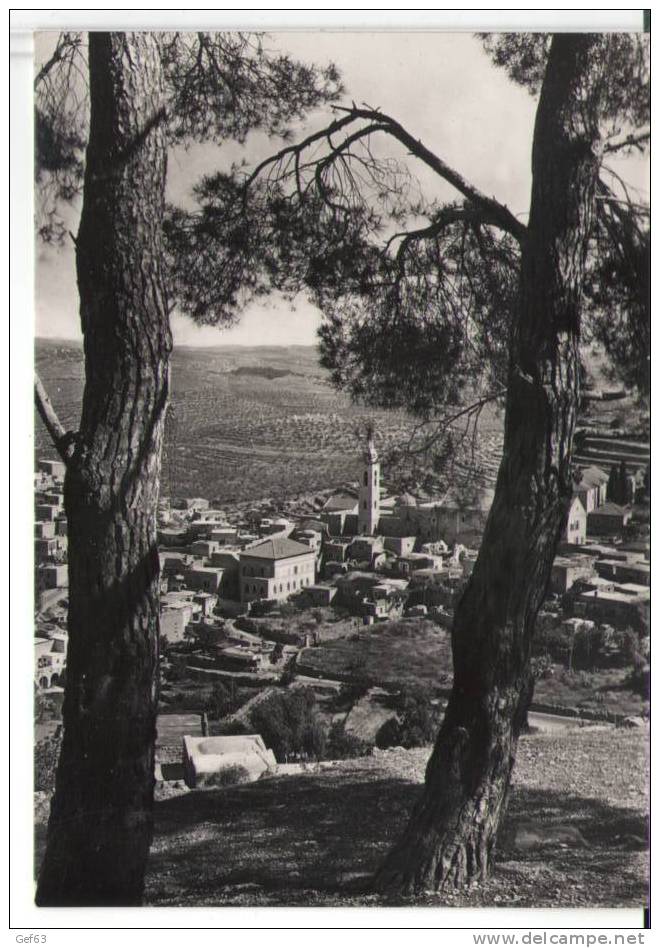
369, 494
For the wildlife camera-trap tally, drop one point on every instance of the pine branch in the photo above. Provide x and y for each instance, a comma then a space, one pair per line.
634, 140
63, 440
499, 212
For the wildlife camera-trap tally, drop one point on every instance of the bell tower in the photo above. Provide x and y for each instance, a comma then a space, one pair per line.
369, 494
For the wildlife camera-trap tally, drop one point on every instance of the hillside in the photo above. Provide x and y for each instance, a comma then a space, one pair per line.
252, 422
255, 422
574, 836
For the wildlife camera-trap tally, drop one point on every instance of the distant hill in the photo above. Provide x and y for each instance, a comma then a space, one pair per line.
247, 422
253, 422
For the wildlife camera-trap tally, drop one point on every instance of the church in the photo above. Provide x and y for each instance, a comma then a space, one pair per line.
366, 513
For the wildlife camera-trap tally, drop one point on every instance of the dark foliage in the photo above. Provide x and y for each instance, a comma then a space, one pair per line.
218, 86
223, 700
417, 724
344, 746
619, 488
289, 724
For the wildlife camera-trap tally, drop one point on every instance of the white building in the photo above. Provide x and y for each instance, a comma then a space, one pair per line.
50, 659
275, 569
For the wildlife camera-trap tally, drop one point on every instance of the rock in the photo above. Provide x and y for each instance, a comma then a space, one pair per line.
633, 721
530, 836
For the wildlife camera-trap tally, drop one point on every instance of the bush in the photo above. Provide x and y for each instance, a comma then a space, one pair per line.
541, 667
586, 649
228, 777
289, 724
288, 609
174, 673
390, 734
418, 723
352, 691
343, 746
223, 700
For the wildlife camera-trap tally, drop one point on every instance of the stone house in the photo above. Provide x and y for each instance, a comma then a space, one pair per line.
50, 659
55, 575
624, 572
320, 594
400, 546
175, 616
592, 488
276, 568
566, 571
575, 528
54, 469
203, 578
44, 529
608, 519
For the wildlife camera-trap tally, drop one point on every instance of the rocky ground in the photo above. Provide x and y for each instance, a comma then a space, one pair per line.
575, 833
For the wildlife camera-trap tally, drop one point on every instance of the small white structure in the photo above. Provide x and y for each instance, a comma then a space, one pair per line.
211, 762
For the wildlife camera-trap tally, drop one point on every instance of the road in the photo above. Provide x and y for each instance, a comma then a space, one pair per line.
553, 723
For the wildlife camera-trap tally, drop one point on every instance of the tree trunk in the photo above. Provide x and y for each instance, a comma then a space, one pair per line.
100, 825
451, 836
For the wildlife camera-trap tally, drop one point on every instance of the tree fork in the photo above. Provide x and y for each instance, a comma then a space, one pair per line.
100, 825
63, 440
451, 835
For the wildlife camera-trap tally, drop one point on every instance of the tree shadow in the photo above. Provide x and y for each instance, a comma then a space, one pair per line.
317, 839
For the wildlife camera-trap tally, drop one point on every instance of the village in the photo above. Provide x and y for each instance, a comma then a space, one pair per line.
246, 603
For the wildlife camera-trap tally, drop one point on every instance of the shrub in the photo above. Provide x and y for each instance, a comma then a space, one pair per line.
289, 724
288, 609
343, 746
389, 734
541, 667
223, 700
228, 777
277, 653
418, 721
174, 673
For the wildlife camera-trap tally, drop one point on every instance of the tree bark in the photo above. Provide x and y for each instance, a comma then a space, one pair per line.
100, 825
451, 836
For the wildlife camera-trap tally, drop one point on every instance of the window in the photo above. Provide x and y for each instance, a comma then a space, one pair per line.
295, 570
365, 478
364, 505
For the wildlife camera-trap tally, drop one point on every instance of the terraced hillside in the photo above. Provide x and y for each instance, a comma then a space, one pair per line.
605, 450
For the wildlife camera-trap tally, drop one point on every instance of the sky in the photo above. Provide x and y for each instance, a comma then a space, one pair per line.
441, 86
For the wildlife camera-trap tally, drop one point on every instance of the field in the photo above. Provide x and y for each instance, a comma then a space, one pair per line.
409, 652
575, 833
254, 423
251, 423
596, 692
418, 653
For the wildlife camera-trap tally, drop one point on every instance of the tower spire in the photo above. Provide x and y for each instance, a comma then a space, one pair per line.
369, 494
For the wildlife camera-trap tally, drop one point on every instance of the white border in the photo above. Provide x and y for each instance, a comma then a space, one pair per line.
76, 922
341, 20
